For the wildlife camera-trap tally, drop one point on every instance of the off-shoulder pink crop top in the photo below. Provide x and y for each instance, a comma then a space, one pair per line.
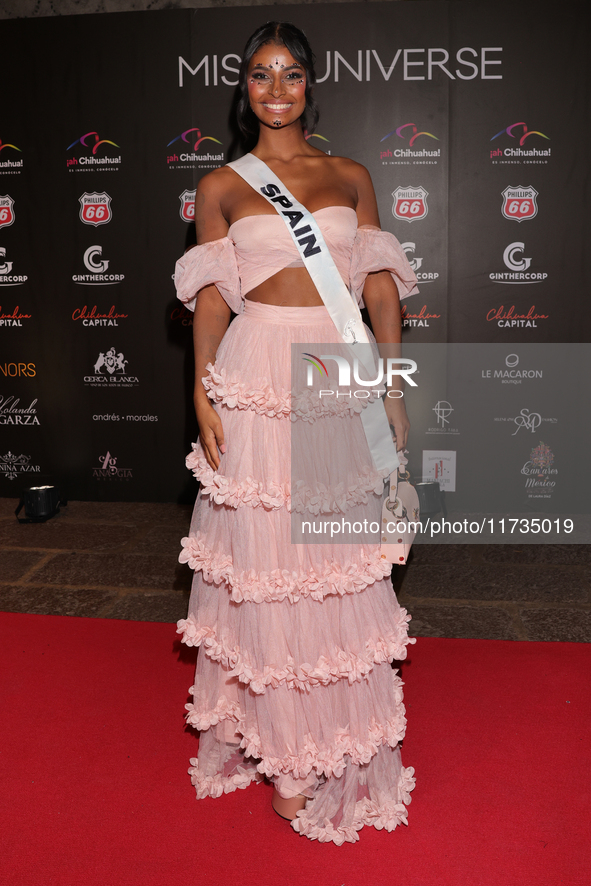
259, 246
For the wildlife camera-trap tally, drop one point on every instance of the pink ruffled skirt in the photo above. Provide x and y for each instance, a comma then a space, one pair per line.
294, 679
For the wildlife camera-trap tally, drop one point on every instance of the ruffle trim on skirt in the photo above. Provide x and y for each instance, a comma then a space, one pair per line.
345, 666
227, 388
327, 759
280, 584
271, 496
367, 812
216, 785
224, 710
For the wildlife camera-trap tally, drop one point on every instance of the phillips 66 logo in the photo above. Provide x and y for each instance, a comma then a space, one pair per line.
410, 204
95, 209
187, 210
519, 203
6, 211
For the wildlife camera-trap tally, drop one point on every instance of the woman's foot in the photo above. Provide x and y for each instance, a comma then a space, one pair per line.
287, 809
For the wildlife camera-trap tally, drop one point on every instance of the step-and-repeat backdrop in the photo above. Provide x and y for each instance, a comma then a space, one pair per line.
470, 117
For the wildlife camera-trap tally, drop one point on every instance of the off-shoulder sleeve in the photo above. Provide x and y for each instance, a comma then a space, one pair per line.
211, 263
375, 250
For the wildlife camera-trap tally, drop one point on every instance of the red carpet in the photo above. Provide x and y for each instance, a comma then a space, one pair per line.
94, 757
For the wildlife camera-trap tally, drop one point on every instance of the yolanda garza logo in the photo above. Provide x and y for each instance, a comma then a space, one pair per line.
404, 156
388, 370
511, 374
12, 413
7, 278
416, 264
527, 421
187, 210
443, 410
97, 268
6, 211
110, 371
518, 152
109, 470
13, 465
410, 203
519, 204
193, 157
518, 267
95, 208
9, 166
91, 154
94, 317
540, 472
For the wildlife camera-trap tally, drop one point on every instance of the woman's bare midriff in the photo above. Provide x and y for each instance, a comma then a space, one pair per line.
290, 288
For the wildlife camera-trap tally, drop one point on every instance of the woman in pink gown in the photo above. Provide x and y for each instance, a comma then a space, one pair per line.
294, 681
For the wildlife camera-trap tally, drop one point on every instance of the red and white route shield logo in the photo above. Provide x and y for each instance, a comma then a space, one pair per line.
519, 204
410, 204
187, 210
95, 209
6, 211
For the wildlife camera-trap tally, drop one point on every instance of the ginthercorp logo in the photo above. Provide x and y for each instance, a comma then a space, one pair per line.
512, 373
416, 264
187, 152
397, 154
410, 203
11, 466
10, 163
526, 146
6, 211
12, 413
187, 210
540, 472
95, 208
518, 267
109, 470
443, 411
97, 268
7, 278
392, 367
94, 153
519, 203
110, 371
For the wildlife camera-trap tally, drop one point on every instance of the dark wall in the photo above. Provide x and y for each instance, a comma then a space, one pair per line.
95, 359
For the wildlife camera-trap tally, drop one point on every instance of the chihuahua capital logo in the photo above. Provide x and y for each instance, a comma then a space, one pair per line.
409, 133
522, 148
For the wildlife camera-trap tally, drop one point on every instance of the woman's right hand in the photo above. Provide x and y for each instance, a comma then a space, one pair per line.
211, 433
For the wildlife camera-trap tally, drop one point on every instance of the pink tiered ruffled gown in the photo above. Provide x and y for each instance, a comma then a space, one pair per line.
294, 678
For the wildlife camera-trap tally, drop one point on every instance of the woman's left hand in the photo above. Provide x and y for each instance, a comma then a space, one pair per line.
398, 419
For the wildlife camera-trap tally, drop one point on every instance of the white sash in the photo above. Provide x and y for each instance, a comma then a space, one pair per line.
343, 309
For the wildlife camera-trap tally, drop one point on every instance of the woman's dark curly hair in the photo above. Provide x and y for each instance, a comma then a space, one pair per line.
296, 42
